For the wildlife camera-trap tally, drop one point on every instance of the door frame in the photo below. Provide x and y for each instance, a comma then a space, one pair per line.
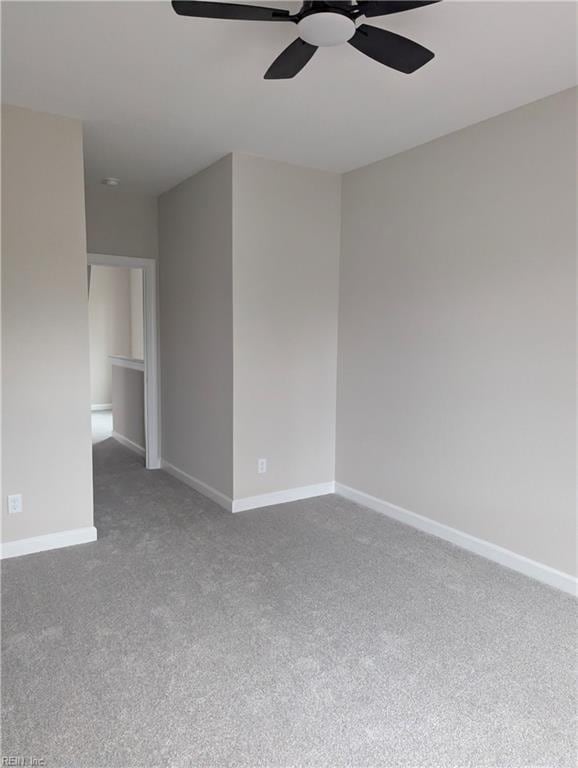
151, 346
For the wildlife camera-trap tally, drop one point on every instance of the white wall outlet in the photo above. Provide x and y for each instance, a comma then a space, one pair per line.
14, 503
261, 466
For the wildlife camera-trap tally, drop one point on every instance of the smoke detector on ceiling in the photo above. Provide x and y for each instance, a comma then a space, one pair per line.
110, 181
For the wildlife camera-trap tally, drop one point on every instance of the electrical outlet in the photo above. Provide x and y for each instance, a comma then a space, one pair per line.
14, 503
261, 466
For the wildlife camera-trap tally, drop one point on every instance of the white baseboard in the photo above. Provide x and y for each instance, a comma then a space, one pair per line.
49, 541
129, 444
101, 407
532, 568
281, 497
198, 485
250, 502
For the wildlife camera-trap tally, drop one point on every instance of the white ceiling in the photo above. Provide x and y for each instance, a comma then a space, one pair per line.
162, 96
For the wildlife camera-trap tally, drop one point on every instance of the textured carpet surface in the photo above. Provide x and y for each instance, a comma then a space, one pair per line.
315, 633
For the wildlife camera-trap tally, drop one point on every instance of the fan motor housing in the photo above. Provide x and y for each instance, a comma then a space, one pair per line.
326, 28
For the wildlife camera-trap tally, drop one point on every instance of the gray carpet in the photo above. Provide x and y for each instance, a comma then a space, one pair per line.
315, 633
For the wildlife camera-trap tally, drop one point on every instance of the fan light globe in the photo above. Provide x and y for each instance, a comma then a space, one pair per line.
323, 29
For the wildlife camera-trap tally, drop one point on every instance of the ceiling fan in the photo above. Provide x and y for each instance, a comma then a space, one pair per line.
322, 23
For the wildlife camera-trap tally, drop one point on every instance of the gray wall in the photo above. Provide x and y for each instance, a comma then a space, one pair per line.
128, 404
46, 383
136, 314
110, 326
196, 308
121, 222
456, 376
285, 267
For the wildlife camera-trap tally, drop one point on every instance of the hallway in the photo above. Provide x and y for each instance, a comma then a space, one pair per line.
310, 634
101, 422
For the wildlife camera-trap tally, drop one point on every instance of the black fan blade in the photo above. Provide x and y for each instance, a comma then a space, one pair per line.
370, 8
291, 61
390, 49
234, 11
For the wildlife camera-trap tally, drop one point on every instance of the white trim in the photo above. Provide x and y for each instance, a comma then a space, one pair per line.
129, 443
151, 346
111, 260
282, 497
250, 502
127, 362
50, 541
198, 485
101, 407
152, 371
506, 557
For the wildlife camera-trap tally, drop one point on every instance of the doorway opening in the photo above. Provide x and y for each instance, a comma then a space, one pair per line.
124, 353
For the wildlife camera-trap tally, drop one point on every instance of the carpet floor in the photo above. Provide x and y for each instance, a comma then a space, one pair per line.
316, 634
